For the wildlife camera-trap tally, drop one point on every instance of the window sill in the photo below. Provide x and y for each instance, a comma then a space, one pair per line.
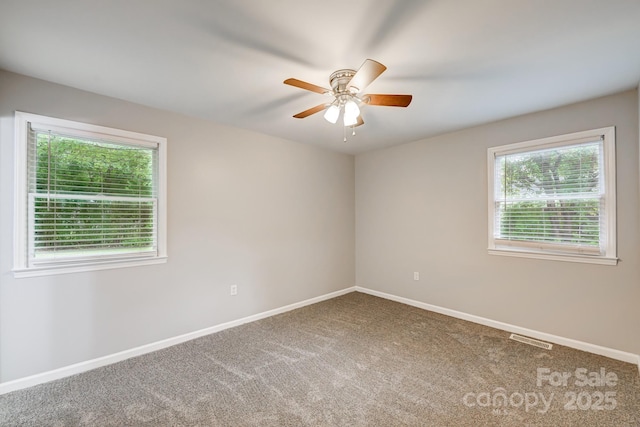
589, 259
49, 270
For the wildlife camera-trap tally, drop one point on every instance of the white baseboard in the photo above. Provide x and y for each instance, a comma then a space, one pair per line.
77, 368
567, 342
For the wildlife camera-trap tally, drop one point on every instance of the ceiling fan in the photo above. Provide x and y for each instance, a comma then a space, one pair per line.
346, 88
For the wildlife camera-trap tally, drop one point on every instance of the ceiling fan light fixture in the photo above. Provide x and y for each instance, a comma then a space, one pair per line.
350, 120
351, 109
332, 113
351, 113
347, 90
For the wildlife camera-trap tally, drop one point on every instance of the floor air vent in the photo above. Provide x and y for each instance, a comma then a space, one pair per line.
531, 341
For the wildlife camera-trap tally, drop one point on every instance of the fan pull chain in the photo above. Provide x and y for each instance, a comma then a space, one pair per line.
344, 132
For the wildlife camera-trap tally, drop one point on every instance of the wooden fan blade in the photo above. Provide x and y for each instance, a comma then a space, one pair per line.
359, 123
310, 111
306, 86
388, 100
368, 72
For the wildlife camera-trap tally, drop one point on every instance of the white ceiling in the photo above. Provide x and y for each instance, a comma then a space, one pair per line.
466, 62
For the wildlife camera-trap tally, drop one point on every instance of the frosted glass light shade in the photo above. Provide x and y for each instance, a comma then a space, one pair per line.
350, 120
332, 113
351, 113
351, 109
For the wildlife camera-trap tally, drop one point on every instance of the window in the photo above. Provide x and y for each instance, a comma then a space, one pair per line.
554, 198
88, 197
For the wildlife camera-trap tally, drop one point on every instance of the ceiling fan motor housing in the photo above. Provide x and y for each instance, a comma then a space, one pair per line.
339, 81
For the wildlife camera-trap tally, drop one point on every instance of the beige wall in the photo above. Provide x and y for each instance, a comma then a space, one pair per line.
274, 217
423, 207
277, 218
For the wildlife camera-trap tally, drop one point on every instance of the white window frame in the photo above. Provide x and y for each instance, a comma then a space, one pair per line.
21, 199
531, 250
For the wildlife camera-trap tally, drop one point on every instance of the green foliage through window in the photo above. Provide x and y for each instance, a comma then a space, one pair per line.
91, 197
551, 195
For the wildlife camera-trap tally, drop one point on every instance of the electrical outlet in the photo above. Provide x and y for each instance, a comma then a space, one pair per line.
416, 275
234, 289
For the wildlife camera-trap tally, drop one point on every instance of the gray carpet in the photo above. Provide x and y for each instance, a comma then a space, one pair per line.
355, 360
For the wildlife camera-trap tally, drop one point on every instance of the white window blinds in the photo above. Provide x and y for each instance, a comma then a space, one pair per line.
551, 198
555, 198
90, 198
